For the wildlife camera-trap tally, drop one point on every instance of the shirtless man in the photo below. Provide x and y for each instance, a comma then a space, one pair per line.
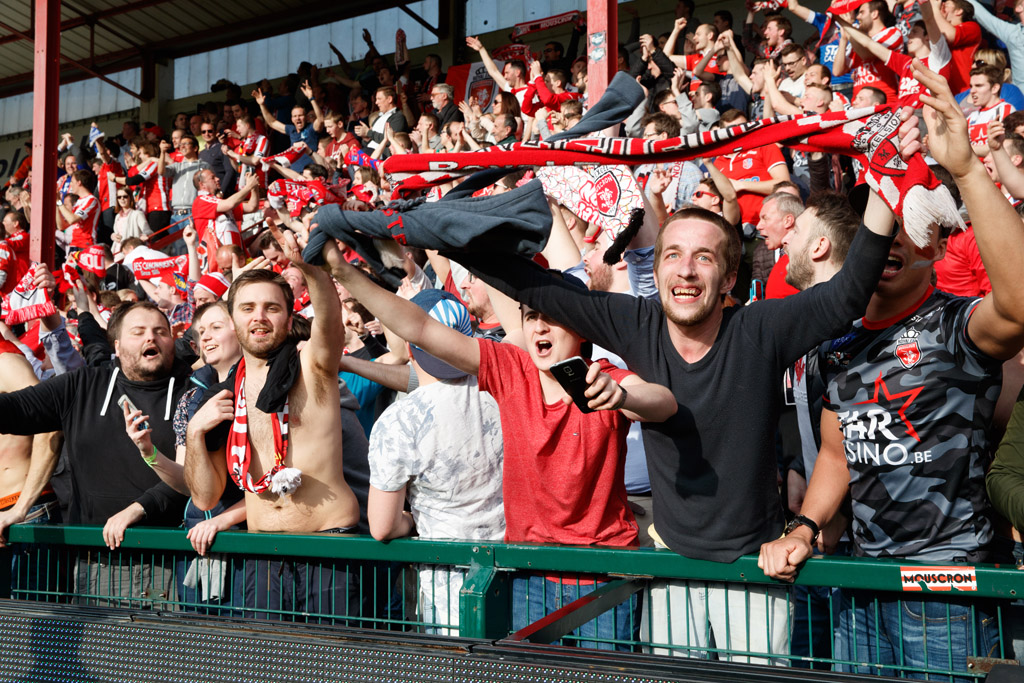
260, 303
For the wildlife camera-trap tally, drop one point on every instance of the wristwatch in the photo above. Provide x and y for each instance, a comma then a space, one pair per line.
803, 520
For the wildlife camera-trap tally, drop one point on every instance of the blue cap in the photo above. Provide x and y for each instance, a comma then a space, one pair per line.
443, 307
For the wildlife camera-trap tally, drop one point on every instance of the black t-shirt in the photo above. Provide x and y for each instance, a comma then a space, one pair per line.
712, 465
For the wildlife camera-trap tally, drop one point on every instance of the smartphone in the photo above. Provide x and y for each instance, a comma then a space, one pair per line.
571, 374
125, 401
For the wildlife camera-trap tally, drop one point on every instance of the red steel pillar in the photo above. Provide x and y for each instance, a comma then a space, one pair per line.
602, 46
45, 96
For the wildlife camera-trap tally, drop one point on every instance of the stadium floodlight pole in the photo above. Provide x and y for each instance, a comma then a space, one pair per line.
45, 95
602, 46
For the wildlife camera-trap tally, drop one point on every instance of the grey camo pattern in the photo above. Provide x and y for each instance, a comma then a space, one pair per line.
917, 480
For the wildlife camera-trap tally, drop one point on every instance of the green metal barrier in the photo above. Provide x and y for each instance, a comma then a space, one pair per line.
475, 590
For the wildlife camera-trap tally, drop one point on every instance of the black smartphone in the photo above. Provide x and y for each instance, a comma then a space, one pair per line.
571, 374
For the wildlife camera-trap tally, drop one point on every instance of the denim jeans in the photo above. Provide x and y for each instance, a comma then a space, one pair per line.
937, 633
535, 597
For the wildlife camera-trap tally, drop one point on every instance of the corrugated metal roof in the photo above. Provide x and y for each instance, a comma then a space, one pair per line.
107, 37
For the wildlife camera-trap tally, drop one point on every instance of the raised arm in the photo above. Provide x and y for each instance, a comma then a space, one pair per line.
474, 43
1011, 177
841, 64
730, 205
932, 15
775, 97
997, 325
226, 205
859, 39
404, 318
318, 117
324, 347
268, 118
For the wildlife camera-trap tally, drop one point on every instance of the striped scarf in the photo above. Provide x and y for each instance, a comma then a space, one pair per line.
238, 448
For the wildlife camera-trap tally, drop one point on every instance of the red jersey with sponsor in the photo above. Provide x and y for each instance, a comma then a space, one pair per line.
106, 189
83, 233
965, 42
752, 164
872, 72
155, 188
910, 90
978, 120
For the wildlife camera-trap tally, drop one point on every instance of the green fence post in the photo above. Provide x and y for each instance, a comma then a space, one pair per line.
483, 600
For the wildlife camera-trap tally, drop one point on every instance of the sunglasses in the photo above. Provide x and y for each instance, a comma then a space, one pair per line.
122, 196
700, 194
204, 131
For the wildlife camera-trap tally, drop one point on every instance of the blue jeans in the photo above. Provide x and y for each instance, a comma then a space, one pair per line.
535, 597
934, 633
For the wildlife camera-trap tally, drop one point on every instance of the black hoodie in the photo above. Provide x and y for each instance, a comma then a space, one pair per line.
107, 472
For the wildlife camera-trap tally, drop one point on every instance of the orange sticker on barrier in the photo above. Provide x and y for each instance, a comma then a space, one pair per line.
938, 578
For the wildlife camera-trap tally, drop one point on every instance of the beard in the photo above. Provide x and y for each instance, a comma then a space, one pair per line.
601, 279
139, 368
799, 273
693, 317
262, 347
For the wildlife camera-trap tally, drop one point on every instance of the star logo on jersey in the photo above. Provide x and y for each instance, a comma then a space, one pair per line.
907, 350
909, 395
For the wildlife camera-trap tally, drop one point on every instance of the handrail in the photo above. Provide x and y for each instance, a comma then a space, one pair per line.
993, 581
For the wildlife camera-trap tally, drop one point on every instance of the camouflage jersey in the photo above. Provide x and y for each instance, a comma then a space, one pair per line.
915, 400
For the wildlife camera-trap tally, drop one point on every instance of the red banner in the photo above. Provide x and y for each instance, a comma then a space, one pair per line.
528, 27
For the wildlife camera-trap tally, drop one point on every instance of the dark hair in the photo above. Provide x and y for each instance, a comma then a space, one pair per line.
434, 121
317, 170
785, 26
884, 14
119, 314
730, 115
556, 45
792, 48
725, 15
572, 108
252, 277
19, 218
388, 91
559, 75
993, 74
835, 219
358, 309
86, 179
968, 9
663, 123
714, 89
519, 66
877, 95
733, 248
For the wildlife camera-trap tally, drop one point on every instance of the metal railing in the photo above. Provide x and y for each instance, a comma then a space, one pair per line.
638, 600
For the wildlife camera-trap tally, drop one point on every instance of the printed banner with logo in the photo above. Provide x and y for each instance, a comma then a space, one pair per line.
603, 195
472, 83
146, 270
957, 577
528, 27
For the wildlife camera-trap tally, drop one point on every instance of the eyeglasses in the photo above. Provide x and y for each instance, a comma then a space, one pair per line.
122, 196
793, 63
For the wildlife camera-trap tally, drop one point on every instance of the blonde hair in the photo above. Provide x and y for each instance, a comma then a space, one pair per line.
996, 58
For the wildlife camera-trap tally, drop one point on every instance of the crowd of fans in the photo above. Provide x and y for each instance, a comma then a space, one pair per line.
764, 324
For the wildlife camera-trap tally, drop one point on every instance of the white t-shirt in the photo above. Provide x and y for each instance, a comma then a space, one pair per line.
443, 442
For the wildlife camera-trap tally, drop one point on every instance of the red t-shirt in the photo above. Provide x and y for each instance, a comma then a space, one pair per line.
777, 287
13, 267
965, 42
83, 233
214, 229
691, 65
19, 242
751, 164
961, 271
563, 478
106, 189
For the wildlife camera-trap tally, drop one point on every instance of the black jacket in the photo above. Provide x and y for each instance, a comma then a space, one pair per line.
107, 472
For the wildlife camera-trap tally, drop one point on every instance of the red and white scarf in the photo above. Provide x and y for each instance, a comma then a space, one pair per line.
238, 449
869, 135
